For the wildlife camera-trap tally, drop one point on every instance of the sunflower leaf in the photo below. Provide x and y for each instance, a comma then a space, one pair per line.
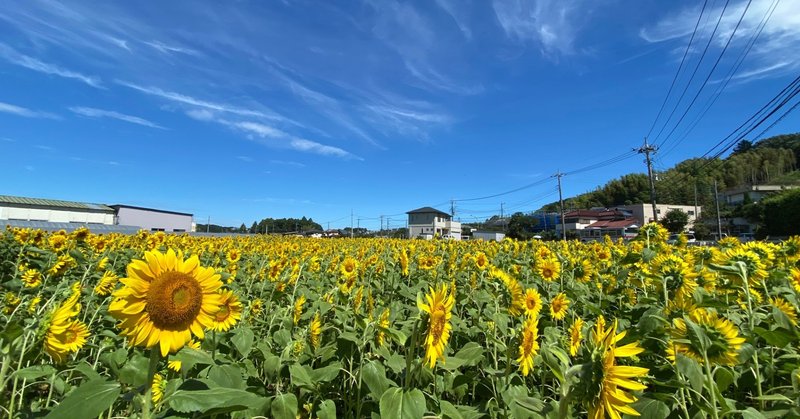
396, 403
219, 400
89, 400
243, 340
284, 406
691, 369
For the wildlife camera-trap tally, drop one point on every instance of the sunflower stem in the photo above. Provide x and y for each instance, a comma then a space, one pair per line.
711, 385
155, 357
752, 323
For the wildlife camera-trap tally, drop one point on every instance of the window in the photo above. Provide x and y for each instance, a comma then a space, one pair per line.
179, 230
156, 229
690, 212
658, 211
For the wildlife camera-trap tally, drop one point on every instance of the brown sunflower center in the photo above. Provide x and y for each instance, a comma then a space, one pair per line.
174, 300
223, 313
437, 325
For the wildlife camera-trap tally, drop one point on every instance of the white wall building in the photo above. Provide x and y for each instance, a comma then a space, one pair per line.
154, 219
644, 212
429, 222
488, 235
753, 193
19, 208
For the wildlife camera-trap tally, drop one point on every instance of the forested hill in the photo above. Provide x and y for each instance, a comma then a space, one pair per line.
772, 160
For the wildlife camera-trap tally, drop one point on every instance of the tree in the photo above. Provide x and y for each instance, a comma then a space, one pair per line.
743, 146
782, 213
675, 220
520, 226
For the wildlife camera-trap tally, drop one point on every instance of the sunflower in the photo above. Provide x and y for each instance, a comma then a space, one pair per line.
428, 263
680, 279
383, 324
559, 307
358, 299
31, 278
781, 304
583, 271
533, 302
528, 345
794, 278
10, 302
230, 311
315, 330
64, 334
723, 336
34, 304
755, 267
349, 267
106, 284
549, 269
604, 384
403, 259
256, 307
481, 261
514, 289
439, 307
233, 255
158, 387
166, 300
575, 336
61, 265
298, 308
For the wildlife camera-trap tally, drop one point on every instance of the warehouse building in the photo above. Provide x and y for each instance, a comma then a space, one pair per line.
17, 208
153, 219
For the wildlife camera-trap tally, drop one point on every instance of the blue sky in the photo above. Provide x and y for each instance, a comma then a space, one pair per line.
247, 109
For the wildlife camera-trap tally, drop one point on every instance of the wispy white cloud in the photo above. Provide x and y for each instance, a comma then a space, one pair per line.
773, 54
28, 113
274, 137
288, 163
167, 49
457, 10
102, 113
205, 104
11, 55
550, 23
245, 159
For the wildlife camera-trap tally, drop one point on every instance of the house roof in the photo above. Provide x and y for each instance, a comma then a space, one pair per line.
614, 224
428, 210
21, 201
118, 206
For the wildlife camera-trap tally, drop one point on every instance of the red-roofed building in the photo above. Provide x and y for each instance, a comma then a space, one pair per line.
626, 228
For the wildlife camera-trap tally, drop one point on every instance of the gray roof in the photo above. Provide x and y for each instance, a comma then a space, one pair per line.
68, 227
20, 201
428, 210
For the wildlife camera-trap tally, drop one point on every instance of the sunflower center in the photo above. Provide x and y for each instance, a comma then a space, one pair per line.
437, 325
223, 313
174, 300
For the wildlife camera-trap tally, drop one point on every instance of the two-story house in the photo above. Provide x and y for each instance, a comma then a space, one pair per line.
427, 222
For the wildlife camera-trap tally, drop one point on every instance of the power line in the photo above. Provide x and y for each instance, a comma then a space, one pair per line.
710, 73
694, 72
683, 59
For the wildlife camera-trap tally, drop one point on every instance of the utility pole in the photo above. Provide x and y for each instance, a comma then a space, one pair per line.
452, 208
351, 223
381, 232
648, 149
558, 176
501, 210
696, 215
208, 224
719, 220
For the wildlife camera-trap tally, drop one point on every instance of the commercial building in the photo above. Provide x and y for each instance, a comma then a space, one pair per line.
153, 219
17, 208
752, 193
488, 235
427, 222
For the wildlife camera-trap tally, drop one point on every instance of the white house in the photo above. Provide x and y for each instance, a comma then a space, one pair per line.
488, 235
427, 222
753, 193
643, 213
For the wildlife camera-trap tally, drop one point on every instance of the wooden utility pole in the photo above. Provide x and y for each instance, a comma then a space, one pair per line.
558, 176
648, 149
719, 219
351, 223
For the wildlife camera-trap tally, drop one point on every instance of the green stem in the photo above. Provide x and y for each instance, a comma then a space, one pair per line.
409, 356
155, 357
711, 385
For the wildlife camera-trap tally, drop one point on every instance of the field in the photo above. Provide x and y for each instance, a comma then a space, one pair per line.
157, 325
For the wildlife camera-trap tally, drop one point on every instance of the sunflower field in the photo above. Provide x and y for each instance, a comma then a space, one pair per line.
155, 325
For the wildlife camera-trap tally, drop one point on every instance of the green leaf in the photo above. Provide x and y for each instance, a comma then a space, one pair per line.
374, 376
449, 411
11, 332
87, 370
326, 373
190, 357
34, 372
134, 372
89, 400
697, 336
396, 403
326, 410
649, 408
778, 338
471, 354
751, 413
272, 365
774, 398
219, 400
284, 406
300, 376
243, 341
227, 376
724, 378
691, 370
